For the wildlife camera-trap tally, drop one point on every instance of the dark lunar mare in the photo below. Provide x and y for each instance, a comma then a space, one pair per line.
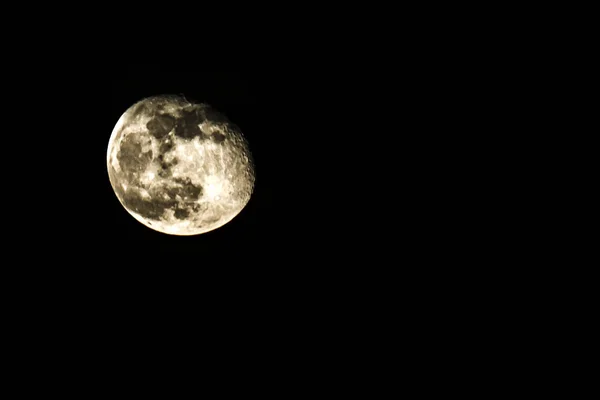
215, 116
161, 125
130, 156
187, 125
148, 208
181, 213
188, 191
155, 207
166, 146
217, 137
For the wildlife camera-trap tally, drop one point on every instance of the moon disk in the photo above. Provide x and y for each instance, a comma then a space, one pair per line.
178, 167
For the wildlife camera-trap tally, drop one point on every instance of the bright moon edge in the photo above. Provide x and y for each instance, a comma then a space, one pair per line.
219, 173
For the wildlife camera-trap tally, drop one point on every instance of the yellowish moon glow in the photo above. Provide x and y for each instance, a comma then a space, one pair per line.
178, 167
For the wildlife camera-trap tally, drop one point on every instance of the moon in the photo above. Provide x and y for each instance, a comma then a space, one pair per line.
179, 167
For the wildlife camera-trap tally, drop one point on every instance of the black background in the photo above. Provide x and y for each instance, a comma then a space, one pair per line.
348, 178
304, 199
298, 249
355, 221
236, 95
360, 219
340, 152
337, 169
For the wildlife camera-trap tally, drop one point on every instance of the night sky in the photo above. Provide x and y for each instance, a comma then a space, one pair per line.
359, 216
312, 142
292, 211
239, 96
342, 225
88, 263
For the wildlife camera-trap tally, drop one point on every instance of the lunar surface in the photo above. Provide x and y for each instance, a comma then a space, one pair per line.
178, 167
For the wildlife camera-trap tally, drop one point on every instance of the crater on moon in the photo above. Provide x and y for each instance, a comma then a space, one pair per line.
178, 167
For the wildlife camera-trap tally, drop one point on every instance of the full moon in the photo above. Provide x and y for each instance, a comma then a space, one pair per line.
179, 167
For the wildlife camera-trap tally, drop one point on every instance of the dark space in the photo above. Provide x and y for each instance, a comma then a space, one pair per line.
333, 165
359, 219
284, 221
316, 140
316, 225
339, 230
238, 96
